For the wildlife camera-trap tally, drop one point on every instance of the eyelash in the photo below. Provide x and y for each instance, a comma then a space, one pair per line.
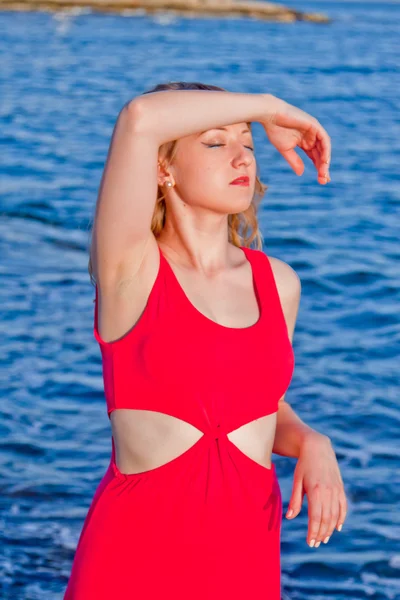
216, 145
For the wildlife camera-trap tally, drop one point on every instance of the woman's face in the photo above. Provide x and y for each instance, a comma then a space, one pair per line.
206, 163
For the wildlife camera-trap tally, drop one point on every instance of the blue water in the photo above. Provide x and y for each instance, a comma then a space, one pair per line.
63, 80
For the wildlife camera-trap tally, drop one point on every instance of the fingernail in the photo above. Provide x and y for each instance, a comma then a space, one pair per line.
312, 543
317, 544
289, 513
326, 540
340, 527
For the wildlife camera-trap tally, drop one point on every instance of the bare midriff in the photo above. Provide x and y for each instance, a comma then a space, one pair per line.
146, 439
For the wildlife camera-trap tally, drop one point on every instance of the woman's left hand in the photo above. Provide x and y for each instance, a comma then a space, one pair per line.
288, 127
317, 474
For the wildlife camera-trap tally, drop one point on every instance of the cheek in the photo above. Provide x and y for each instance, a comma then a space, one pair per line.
201, 175
190, 168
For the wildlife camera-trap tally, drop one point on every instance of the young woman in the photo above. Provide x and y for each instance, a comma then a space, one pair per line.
195, 330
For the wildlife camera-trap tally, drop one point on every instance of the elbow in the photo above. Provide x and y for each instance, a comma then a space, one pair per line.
134, 115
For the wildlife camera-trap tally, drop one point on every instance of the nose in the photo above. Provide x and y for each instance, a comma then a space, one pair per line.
243, 156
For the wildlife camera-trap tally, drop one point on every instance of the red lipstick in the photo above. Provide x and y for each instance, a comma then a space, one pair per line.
242, 180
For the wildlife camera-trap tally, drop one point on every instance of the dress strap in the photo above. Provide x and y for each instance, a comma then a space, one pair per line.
260, 266
267, 286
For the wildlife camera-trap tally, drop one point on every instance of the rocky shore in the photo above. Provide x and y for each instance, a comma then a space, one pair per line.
218, 8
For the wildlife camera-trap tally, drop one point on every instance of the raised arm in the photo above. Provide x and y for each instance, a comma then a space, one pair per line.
128, 188
176, 113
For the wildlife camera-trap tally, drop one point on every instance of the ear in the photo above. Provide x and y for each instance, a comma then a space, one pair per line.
162, 172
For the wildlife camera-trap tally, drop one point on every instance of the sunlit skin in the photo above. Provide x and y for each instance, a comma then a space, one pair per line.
200, 199
204, 166
206, 163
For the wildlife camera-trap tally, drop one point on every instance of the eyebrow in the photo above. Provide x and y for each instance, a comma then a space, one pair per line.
221, 129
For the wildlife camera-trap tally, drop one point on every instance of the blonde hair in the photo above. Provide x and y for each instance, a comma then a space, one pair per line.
244, 221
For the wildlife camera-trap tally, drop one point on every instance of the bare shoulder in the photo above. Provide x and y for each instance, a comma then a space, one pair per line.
288, 284
287, 279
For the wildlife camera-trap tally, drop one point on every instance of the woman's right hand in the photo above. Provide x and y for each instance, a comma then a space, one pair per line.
288, 127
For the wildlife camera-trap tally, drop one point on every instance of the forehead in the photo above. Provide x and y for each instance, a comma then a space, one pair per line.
240, 127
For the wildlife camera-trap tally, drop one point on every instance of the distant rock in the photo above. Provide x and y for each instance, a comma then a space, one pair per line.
267, 11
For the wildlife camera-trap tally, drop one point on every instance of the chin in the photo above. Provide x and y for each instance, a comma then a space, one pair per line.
232, 205
240, 206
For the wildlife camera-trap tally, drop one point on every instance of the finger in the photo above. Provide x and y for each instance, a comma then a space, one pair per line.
296, 499
325, 140
321, 150
314, 515
315, 154
334, 514
324, 150
294, 161
342, 509
326, 515
316, 157
324, 175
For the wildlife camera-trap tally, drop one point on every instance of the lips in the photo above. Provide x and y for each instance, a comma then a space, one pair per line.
242, 180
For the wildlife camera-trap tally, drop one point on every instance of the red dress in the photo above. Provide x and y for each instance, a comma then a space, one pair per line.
207, 524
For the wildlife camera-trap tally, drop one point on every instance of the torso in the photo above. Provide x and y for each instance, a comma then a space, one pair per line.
147, 439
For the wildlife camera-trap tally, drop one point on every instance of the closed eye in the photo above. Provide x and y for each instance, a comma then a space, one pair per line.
217, 145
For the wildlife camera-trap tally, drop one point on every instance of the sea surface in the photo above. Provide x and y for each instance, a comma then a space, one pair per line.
63, 80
